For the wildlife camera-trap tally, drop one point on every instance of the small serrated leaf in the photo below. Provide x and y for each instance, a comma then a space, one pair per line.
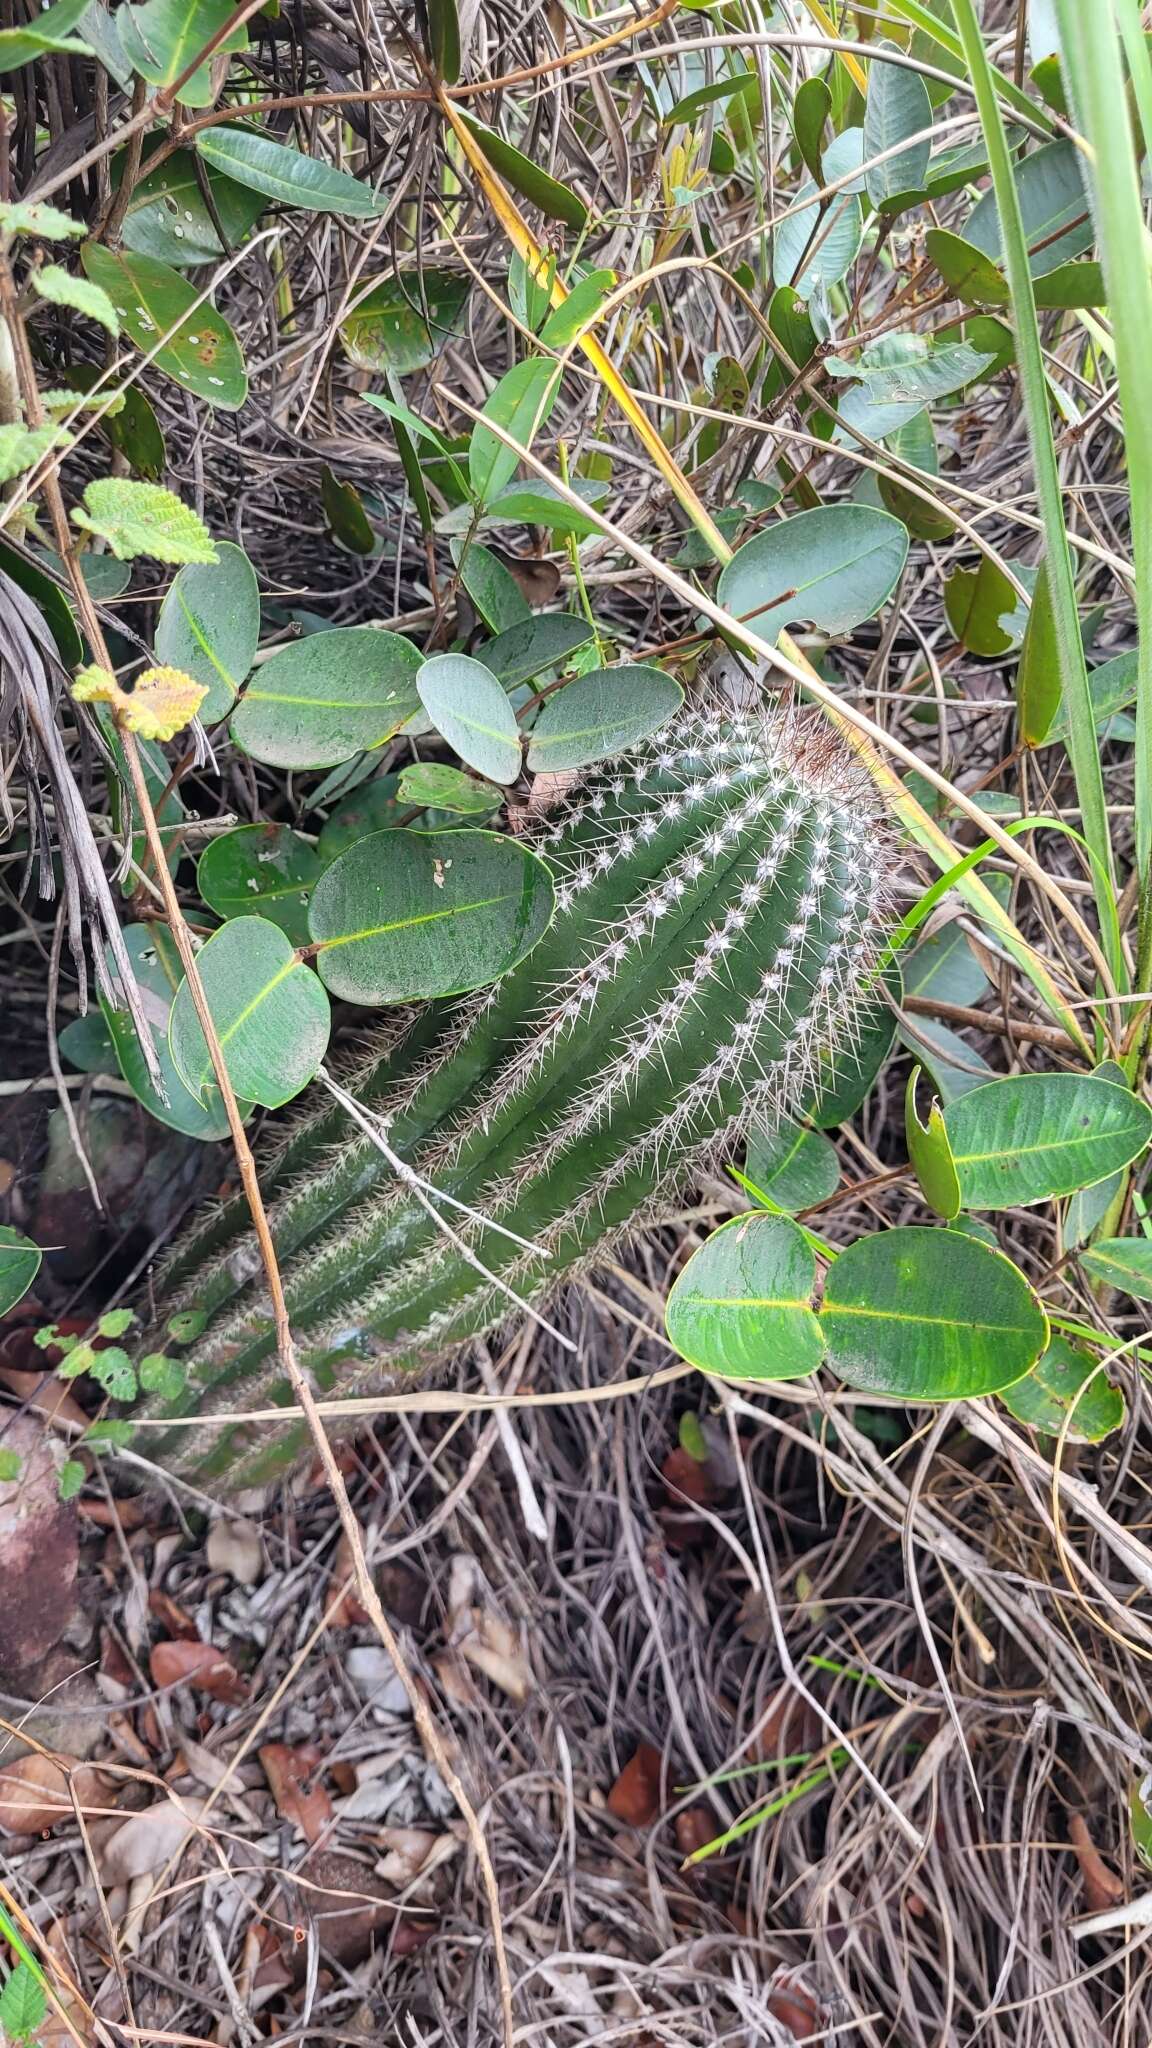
23, 2006
28, 217
144, 519
21, 447
60, 288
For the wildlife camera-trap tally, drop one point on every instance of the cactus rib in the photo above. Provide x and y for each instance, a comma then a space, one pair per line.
720, 903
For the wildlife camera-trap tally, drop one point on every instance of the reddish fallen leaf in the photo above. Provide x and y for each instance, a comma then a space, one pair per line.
198, 1665
291, 1775
34, 1792
175, 1618
347, 1903
1101, 1886
794, 2007
412, 1935
39, 1556
687, 1478
110, 1514
44, 1393
638, 1793
403, 1593
695, 1828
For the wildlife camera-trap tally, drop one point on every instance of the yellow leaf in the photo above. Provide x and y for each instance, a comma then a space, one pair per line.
163, 702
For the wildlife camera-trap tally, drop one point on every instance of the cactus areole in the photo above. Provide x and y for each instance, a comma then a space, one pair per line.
719, 907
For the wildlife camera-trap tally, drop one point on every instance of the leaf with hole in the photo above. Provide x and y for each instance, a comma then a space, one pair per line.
269, 1012
1054, 210
470, 709
253, 159
209, 626
601, 714
897, 108
403, 916
1067, 1395
555, 200
832, 568
520, 405
815, 246
156, 966
930, 1153
201, 352
742, 1307
540, 644
161, 38
955, 1066
144, 519
794, 1166
1037, 1136
403, 322
1122, 1262
168, 217
987, 615
19, 1265
327, 697
264, 868
929, 1315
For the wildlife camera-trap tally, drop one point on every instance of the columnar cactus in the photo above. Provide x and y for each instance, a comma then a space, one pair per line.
719, 906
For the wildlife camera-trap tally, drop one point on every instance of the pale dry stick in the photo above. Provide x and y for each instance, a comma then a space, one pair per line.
433, 1401
927, 1633
285, 1345
78, 1145
843, 712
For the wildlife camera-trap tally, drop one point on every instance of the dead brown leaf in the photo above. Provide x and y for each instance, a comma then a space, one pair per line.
174, 1618
149, 1839
477, 1630
236, 1546
39, 1555
34, 1792
796, 2008
291, 1775
638, 1794
349, 1610
200, 1666
695, 1828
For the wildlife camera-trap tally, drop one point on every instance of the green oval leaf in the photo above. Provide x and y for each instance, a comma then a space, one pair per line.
19, 1265
555, 200
168, 217
1065, 1382
1123, 1262
742, 1306
811, 110
1054, 210
405, 319
987, 615
328, 697
540, 504
793, 1166
929, 1315
348, 522
201, 352
806, 254
520, 404
209, 626
156, 966
433, 783
160, 39
265, 166
1040, 1135
601, 714
470, 709
493, 589
543, 642
407, 915
86, 1043
897, 107
270, 1012
970, 275
264, 868
832, 568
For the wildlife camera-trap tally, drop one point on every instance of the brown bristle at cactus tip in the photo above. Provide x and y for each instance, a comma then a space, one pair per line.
720, 908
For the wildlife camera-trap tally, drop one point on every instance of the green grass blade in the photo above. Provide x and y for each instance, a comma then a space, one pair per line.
1094, 65
1082, 744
